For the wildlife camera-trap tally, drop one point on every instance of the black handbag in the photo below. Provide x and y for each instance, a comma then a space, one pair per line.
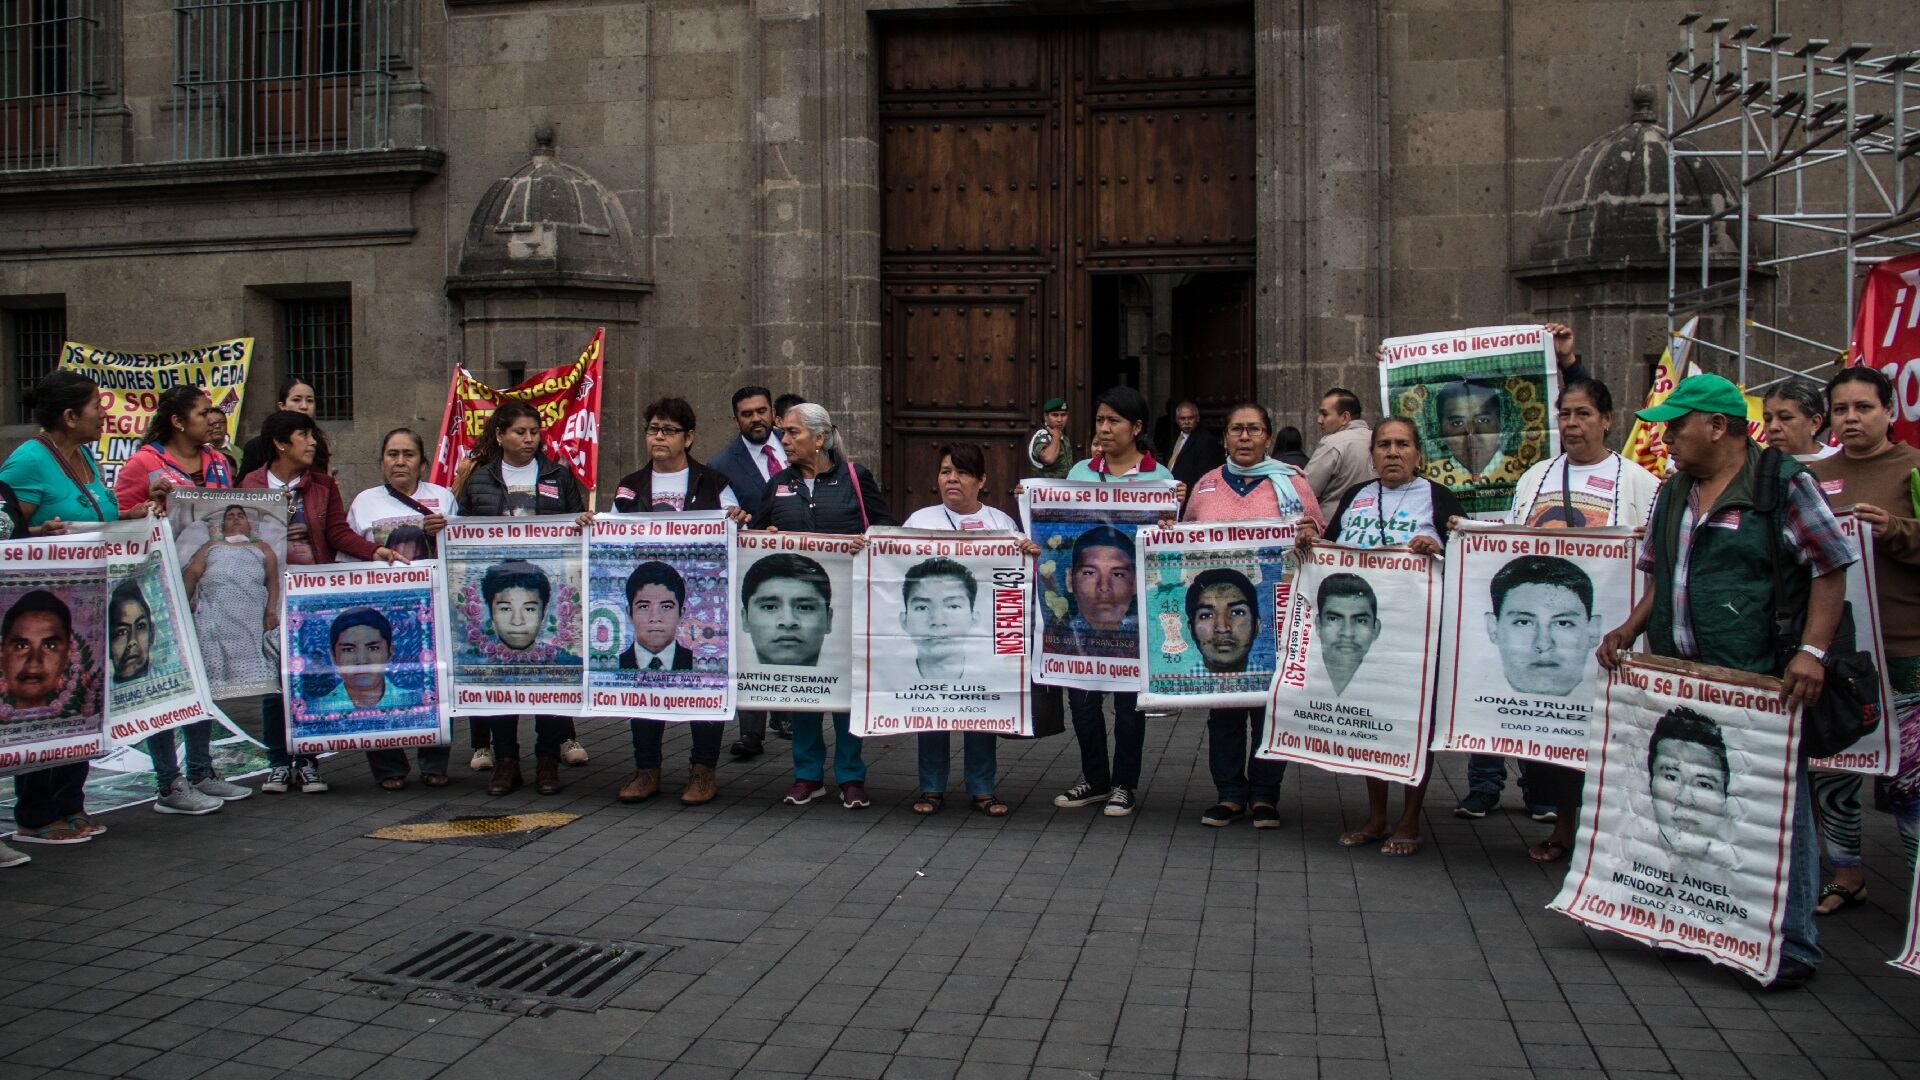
1848, 708
1049, 712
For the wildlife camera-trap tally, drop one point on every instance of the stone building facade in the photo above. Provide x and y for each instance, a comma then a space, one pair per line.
720, 184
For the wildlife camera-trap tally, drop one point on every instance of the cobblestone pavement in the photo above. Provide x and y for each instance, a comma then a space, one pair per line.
1053, 943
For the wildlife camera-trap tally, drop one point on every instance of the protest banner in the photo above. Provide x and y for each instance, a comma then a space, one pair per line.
1533, 605
796, 621
1685, 828
1646, 443
1877, 753
1886, 336
366, 649
1909, 958
1483, 400
515, 614
1212, 602
131, 384
156, 679
940, 633
659, 627
232, 547
1089, 602
1354, 693
53, 651
566, 396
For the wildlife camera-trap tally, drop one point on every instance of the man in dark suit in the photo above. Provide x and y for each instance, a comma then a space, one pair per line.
1194, 450
656, 598
750, 460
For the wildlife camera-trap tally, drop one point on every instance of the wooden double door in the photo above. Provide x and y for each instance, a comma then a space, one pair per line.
1020, 158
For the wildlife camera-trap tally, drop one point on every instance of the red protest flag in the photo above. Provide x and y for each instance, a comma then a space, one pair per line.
567, 397
1886, 336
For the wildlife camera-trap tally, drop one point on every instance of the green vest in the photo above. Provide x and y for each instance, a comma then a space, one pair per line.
1730, 586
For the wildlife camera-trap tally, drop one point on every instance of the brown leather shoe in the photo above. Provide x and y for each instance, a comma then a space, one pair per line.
702, 786
547, 778
506, 777
644, 785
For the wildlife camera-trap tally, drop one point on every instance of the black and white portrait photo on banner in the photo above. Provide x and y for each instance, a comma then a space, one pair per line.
366, 649
53, 651
1088, 581
232, 547
1909, 958
1358, 646
659, 625
1878, 751
515, 590
794, 645
155, 678
1532, 605
1681, 841
940, 633
1211, 601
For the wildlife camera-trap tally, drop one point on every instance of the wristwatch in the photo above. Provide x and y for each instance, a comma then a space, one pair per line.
1814, 651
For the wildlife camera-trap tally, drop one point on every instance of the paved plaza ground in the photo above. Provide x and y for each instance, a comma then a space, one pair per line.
818, 941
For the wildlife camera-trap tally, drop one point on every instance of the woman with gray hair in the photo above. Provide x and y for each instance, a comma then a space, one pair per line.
820, 491
1795, 413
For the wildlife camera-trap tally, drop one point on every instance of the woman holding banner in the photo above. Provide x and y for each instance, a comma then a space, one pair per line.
317, 506
57, 486
1250, 486
1399, 508
510, 477
295, 396
405, 513
1121, 456
177, 453
820, 491
1875, 476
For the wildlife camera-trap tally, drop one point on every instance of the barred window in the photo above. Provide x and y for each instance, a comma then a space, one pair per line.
38, 334
47, 89
317, 343
256, 77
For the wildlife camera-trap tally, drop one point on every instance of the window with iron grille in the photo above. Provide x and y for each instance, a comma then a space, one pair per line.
260, 77
47, 82
38, 334
317, 344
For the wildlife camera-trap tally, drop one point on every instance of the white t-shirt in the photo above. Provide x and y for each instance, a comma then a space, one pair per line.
938, 516
670, 492
376, 514
520, 481
759, 455
1406, 510
1826, 450
1593, 491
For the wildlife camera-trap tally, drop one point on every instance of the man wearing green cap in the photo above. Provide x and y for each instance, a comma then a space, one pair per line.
1050, 450
1710, 566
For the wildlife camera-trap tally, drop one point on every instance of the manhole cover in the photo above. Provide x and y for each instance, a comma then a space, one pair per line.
518, 966
506, 831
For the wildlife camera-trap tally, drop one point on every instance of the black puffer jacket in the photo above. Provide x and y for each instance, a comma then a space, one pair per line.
833, 506
555, 492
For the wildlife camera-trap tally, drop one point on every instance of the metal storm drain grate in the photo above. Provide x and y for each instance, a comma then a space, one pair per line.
514, 966
507, 831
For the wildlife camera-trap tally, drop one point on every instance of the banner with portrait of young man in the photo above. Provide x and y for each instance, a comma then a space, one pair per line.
1358, 645
1212, 596
53, 651
366, 647
1483, 400
1685, 830
514, 603
659, 627
1531, 604
232, 546
941, 633
1088, 593
1877, 753
796, 621
155, 678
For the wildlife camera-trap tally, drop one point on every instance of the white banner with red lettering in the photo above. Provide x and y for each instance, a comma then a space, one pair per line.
366, 657
1909, 958
516, 594
53, 652
1878, 751
796, 618
156, 680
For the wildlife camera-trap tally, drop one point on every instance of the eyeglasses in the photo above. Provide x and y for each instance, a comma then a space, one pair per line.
1246, 429
665, 429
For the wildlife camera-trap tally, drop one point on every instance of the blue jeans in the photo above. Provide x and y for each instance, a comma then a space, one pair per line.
44, 796
810, 749
1803, 878
706, 742
1090, 731
1488, 773
273, 732
979, 752
1239, 777
166, 766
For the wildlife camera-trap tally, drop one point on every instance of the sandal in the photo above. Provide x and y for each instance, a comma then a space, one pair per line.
1548, 851
435, 779
1360, 839
930, 802
1849, 898
394, 783
63, 831
991, 806
1399, 847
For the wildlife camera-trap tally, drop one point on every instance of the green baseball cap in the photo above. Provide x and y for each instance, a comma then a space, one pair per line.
1055, 404
1698, 393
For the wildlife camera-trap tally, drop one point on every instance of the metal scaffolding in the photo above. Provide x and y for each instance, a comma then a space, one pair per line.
1824, 145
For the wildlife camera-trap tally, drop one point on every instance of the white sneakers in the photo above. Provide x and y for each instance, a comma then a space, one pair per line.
12, 857
573, 753
181, 798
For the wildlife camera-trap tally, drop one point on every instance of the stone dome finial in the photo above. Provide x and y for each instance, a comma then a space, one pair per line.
1643, 104
543, 137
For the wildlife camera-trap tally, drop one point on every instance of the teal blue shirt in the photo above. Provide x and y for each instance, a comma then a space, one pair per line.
1083, 470
38, 481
